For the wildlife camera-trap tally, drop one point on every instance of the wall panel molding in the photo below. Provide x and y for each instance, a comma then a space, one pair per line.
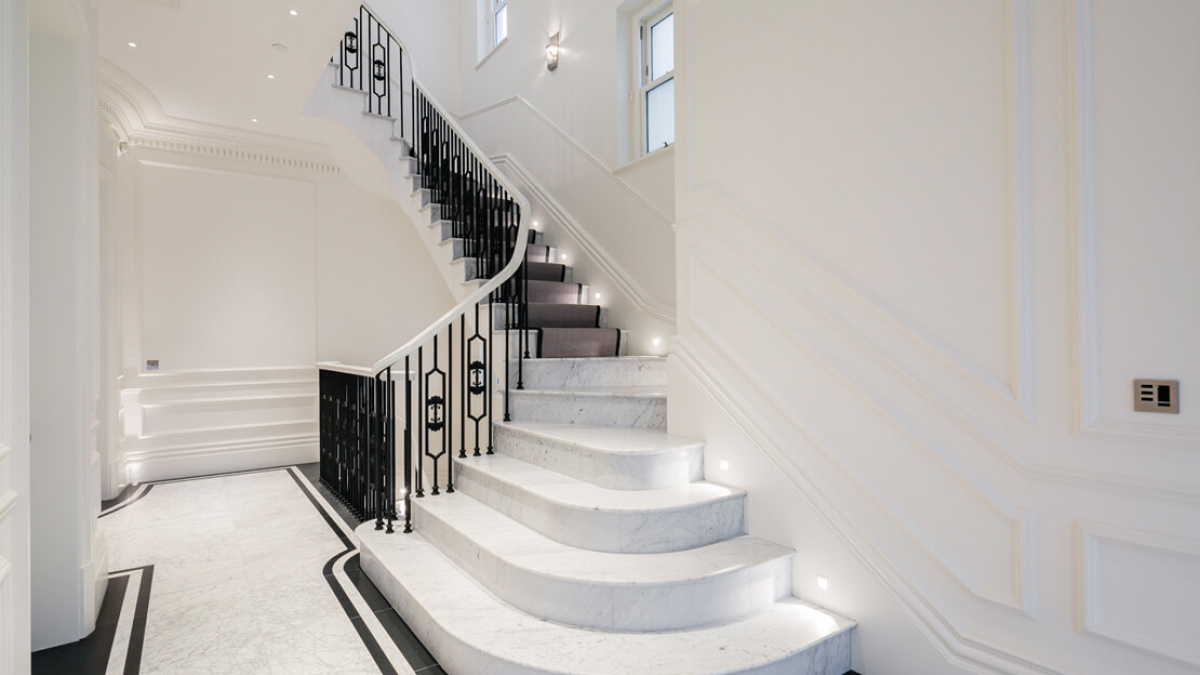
524, 104
959, 648
1018, 592
1015, 387
198, 422
1083, 260
1099, 589
628, 285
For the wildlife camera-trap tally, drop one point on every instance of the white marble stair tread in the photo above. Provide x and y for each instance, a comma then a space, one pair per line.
574, 512
621, 458
606, 591
469, 630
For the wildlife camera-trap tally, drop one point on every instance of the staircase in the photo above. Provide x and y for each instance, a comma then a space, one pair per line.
590, 543
585, 541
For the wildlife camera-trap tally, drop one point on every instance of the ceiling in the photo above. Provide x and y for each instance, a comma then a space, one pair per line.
209, 60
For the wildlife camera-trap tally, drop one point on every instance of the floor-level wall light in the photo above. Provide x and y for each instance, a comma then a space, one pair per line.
552, 52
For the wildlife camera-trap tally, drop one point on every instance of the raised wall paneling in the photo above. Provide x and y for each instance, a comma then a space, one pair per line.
1140, 589
205, 422
1131, 281
957, 516
975, 247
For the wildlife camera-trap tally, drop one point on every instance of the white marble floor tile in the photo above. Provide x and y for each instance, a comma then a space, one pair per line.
238, 583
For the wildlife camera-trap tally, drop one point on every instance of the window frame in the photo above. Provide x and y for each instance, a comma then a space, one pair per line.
496, 7
646, 23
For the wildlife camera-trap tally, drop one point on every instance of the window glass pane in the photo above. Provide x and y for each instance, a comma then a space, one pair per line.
660, 116
502, 23
662, 47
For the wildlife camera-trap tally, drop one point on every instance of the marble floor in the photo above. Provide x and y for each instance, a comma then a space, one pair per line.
246, 573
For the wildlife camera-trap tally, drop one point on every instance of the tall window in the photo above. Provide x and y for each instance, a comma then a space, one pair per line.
499, 21
658, 78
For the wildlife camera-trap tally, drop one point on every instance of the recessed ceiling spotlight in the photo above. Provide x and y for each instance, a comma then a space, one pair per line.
254, 119
132, 44
270, 77
279, 47
294, 13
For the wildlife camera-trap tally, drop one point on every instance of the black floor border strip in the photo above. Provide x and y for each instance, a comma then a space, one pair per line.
125, 493
137, 496
364, 633
137, 637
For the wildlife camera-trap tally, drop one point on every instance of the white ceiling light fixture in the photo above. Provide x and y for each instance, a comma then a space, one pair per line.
254, 119
270, 77
133, 45
294, 13
279, 47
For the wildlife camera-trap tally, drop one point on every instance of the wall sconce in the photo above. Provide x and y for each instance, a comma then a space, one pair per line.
552, 52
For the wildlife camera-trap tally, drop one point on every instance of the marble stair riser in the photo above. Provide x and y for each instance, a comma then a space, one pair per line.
647, 531
644, 412
581, 373
612, 607
617, 471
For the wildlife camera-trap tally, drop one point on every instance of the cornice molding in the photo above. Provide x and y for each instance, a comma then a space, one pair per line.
138, 120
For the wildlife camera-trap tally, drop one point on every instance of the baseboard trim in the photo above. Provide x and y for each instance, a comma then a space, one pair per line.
233, 458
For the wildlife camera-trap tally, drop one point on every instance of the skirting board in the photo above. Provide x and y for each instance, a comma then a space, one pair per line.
226, 459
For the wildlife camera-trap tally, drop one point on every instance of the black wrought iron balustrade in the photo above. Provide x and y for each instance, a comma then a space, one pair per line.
391, 434
370, 60
357, 417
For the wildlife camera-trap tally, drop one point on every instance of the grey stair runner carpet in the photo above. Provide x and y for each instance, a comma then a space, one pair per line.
540, 271
561, 343
552, 315
553, 291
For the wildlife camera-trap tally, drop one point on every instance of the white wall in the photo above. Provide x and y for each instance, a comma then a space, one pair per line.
70, 570
245, 275
14, 338
923, 250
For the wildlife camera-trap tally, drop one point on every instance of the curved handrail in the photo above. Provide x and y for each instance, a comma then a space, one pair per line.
514, 263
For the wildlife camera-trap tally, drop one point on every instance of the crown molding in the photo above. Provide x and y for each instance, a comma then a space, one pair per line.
138, 120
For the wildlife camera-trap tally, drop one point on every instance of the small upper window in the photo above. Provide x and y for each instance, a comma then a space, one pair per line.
658, 79
499, 21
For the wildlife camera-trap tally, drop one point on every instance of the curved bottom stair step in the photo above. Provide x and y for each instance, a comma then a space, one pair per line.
470, 631
578, 513
629, 592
